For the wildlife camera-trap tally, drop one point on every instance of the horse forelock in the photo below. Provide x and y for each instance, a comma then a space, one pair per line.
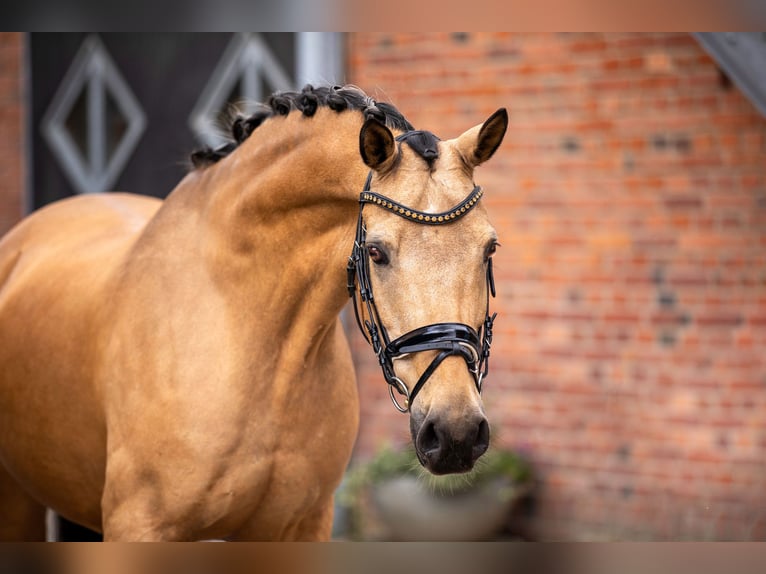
423, 143
307, 101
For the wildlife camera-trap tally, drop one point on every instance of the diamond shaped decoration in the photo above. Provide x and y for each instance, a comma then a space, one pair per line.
94, 122
246, 65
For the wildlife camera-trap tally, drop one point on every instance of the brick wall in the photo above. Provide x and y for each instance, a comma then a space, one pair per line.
630, 199
11, 122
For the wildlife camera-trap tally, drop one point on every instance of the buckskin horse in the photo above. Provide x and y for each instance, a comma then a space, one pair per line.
177, 369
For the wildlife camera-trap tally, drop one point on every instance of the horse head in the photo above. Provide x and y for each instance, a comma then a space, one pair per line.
421, 275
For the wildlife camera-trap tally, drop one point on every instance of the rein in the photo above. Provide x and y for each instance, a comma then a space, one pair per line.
448, 338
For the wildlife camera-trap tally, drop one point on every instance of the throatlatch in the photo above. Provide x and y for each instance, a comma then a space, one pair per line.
448, 338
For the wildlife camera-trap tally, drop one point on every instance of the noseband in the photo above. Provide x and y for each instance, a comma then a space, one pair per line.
448, 338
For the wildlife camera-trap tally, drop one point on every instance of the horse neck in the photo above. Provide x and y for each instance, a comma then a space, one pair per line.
279, 224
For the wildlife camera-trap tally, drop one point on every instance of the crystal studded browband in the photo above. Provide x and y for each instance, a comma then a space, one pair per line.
421, 216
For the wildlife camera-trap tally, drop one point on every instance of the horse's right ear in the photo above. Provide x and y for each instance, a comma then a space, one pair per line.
479, 143
376, 144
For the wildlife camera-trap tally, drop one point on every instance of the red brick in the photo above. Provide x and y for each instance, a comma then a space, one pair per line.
11, 114
593, 220
720, 320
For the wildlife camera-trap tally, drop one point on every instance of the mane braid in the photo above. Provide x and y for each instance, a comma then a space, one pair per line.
307, 101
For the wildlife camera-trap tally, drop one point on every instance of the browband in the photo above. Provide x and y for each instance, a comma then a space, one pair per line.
421, 216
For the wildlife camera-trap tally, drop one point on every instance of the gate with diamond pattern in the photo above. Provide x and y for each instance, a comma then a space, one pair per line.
123, 111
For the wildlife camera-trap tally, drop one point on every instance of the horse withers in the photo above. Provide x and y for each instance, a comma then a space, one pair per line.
176, 370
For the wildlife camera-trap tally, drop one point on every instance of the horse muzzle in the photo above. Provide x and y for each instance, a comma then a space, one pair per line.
445, 446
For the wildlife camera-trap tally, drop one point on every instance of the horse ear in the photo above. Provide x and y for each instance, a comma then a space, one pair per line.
479, 143
376, 144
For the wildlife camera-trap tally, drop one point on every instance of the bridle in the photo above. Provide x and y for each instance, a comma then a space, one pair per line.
450, 339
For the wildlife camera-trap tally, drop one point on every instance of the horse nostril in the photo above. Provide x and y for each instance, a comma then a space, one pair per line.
481, 444
428, 440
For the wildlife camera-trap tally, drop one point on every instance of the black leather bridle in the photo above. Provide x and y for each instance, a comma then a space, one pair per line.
447, 338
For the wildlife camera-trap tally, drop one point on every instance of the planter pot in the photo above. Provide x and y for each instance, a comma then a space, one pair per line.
409, 511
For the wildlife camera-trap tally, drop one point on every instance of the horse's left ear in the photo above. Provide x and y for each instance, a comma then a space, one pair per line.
377, 145
479, 143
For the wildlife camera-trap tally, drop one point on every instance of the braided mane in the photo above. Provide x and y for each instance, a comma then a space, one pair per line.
337, 98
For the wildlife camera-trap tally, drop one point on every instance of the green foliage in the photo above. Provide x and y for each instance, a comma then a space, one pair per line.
390, 462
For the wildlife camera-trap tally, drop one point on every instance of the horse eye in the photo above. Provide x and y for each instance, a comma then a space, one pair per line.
491, 249
377, 255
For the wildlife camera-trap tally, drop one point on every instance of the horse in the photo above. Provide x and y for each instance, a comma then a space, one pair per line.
177, 369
